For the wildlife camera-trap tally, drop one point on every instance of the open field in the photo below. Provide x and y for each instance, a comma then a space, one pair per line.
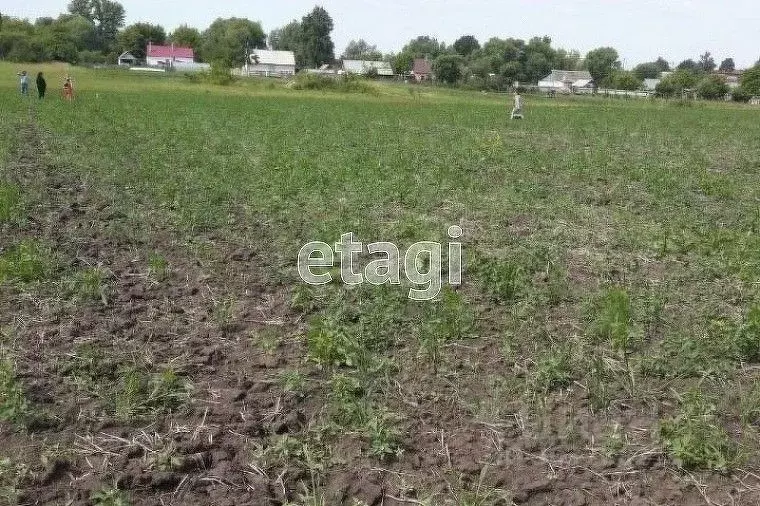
158, 347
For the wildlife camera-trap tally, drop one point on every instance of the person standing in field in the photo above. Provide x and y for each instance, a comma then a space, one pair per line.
517, 109
24, 83
41, 85
68, 89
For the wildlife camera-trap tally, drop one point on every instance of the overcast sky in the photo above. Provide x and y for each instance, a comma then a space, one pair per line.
640, 30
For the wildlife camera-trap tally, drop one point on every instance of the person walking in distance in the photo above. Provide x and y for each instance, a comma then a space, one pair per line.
41, 85
24, 79
68, 90
517, 110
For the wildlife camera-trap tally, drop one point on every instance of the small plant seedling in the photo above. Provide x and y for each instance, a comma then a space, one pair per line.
384, 436
158, 267
110, 497
292, 382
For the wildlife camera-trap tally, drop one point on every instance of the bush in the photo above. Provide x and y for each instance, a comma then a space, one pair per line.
712, 88
91, 57
674, 84
740, 95
347, 83
220, 74
624, 80
750, 81
448, 68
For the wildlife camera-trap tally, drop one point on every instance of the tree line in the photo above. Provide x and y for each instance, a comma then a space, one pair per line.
94, 31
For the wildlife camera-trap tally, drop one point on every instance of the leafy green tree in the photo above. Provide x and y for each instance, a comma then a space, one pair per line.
706, 62
81, 8
402, 62
727, 65
538, 58
712, 87
601, 63
135, 38
675, 83
626, 80
186, 36
287, 38
663, 64
567, 60
62, 38
361, 50
224, 42
750, 81
107, 16
448, 68
689, 65
480, 67
316, 47
466, 45
650, 70
424, 46
536, 66
504, 50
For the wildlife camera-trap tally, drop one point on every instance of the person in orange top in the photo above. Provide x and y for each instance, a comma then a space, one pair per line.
68, 89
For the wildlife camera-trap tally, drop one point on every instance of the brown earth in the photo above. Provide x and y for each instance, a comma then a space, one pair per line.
451, 443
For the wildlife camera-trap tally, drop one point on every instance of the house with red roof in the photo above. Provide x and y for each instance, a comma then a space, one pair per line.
422, 70
168, 56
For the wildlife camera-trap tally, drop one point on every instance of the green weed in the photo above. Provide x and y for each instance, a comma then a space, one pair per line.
10, 202
140, 394
109, 497
12, 475
612, 320
292, 382
158, 267
553, 370
89, 285
13, 405
694, 437
502, 280
26, 262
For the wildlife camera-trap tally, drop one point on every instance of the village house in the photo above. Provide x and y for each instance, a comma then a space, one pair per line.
381, 68
168, 56
567, 81
268, 63
126, 59
422, 70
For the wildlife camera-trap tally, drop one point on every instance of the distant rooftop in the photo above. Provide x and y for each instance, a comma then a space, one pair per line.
268, 57
155, 51
363, 66
570, 76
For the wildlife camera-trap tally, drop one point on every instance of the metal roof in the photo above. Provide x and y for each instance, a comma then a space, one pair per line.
267, 57
582, 83
363, 66
567, 76
155, 51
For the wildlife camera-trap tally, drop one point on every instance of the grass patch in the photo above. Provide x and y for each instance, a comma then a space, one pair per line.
13, 405
88, 285
10, 202
694, 438
26, 262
